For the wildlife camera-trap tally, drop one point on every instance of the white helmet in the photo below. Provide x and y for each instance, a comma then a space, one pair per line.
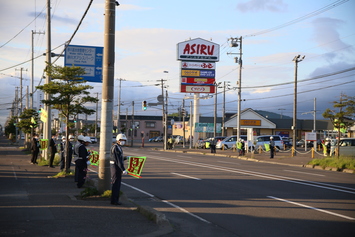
64, 138
71, 137
271, 138
87, 139
81, 138
121, 136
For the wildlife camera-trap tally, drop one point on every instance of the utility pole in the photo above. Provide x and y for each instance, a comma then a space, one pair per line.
21, 78
234, 43
97, 108
119, 105
164, 122
47, 96
107, 96
215, 109
132, 126
296, 59
190, 121
224, 105
32, 67
183, 123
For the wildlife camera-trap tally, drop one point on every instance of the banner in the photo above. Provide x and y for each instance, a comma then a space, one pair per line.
43, 144
135, 166
94, 157
44, 115
267, 147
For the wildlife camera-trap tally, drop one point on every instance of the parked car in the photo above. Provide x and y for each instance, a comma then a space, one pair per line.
152, 139
229, 142
94, 139
265, 139
159, 139
347, 147
177, 139
287, 142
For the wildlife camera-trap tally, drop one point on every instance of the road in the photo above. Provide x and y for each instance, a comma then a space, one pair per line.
219, 196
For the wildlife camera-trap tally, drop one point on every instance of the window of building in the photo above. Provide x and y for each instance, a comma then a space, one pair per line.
150, 124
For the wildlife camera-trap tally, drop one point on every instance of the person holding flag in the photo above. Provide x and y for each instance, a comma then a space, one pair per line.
117, 168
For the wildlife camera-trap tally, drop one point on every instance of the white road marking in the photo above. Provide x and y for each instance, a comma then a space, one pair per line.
313, 208
186, 176
184, 156
303, 173
258, 174
229, 162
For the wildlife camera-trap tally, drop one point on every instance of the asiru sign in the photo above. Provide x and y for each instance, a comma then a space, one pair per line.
198, 50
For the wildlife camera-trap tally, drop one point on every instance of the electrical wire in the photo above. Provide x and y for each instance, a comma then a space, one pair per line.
302, 18
23, 28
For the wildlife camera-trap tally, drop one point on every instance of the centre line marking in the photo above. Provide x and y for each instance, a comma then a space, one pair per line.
303, 172
186, 176
313, 208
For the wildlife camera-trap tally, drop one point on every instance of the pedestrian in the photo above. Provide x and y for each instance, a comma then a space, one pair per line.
117, 168
272, 147
81, 159
53, 150
34, 149
213, 145
242, 148
170, 143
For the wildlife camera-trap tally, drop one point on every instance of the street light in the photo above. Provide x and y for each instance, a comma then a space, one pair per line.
234, 43
296, 59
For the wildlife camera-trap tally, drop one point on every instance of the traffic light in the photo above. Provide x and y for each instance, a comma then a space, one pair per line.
183, 112
144, 105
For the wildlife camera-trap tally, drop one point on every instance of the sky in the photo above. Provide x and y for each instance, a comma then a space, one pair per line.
146, 38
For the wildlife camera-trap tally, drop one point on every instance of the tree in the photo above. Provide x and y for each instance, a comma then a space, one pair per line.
69, 95
28, 120
341, 117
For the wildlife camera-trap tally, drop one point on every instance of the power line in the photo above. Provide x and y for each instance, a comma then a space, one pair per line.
302, 18
23, 28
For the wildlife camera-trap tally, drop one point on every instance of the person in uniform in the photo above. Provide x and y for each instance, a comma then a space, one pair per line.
34, 149
272, 147
117, 168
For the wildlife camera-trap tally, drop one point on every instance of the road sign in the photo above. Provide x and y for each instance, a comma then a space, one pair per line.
87, 57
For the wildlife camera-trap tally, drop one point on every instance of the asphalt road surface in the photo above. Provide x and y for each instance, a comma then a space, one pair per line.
220, 196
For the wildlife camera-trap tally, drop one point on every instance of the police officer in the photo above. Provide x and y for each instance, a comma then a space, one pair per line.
81, 158
272, 147
117, 168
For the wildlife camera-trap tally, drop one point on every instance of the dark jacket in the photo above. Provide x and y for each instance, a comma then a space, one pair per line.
35, 145
117, 156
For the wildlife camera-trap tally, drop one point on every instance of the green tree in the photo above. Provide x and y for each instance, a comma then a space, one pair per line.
344, 110
69, 95
28, 120
10, 127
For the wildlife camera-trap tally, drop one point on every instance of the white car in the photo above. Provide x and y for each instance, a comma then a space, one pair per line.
347, 147
229, 142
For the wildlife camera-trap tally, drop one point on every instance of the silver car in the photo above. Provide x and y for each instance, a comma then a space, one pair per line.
347, 147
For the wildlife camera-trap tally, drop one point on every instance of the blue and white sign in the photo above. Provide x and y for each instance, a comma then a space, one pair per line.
87, 57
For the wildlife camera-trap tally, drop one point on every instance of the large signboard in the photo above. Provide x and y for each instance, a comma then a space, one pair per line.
207, 127
87, 57
198, 65
198, 50
198, 73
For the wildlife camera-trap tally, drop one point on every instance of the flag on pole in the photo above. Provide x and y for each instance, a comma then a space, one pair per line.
135, 166
43, 144
94, 157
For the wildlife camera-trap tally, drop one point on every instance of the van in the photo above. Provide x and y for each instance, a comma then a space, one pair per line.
265, 139
347, 147
229, 142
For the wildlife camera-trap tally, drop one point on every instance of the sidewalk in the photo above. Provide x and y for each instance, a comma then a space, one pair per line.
32, 203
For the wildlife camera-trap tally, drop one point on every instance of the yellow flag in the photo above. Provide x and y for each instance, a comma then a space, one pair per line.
44, 116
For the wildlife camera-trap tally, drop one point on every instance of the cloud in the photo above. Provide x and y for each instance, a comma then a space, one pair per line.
262, 5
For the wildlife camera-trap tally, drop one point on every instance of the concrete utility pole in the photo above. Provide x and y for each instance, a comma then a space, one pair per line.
107, 96
32, 67
21, 102
234, 43
296, 59
96, 117
224, 105
47, 96
119, 105
190, 122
